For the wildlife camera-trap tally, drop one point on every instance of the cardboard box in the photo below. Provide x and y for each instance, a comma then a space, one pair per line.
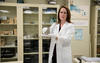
2, 41
11, 21
3, 21
6, 32
15, 20
1, 33
15, 32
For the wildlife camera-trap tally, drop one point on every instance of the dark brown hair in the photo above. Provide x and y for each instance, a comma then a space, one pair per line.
68, 14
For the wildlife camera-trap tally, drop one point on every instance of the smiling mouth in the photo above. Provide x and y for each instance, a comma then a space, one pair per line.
62, 17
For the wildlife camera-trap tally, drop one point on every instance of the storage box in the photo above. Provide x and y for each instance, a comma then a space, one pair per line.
1, 33
8, 32
3, 21
11, 21
2, 41
15, 20
15, 32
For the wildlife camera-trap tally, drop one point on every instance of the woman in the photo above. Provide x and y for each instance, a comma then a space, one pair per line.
61, 34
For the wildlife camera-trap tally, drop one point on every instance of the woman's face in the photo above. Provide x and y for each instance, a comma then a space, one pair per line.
63, 14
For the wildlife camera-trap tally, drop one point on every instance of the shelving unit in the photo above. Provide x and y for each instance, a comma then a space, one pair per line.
8, 33
29, 46
30, 19
47, 19
30, 34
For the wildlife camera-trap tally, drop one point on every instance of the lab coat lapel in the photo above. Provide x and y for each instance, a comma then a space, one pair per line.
62, 28
57, 29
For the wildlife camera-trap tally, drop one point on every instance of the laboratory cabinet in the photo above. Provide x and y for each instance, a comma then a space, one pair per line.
95, 31
8, 33
21, 29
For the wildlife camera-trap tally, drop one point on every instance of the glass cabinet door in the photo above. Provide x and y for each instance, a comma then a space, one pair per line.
8, 34
49, 16
30, 34
98, 35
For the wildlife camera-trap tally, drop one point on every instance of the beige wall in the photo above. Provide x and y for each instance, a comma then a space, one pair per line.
82, 2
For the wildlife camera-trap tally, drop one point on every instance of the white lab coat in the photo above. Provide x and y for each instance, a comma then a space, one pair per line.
63, 44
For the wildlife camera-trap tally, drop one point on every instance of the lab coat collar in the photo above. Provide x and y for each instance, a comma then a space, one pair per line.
62, 27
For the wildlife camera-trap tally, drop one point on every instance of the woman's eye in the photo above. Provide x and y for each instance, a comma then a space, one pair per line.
63, 12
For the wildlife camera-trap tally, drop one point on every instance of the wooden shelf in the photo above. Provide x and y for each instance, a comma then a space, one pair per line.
98, 33
8, 46
31, 39
31, 24
8, 35
47, 24
12, 58
31, 53
98, 54
8, 24
49, 13
12, 62
45, 52
98, 44
46, 38
8, 58
98, 24
31, 13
